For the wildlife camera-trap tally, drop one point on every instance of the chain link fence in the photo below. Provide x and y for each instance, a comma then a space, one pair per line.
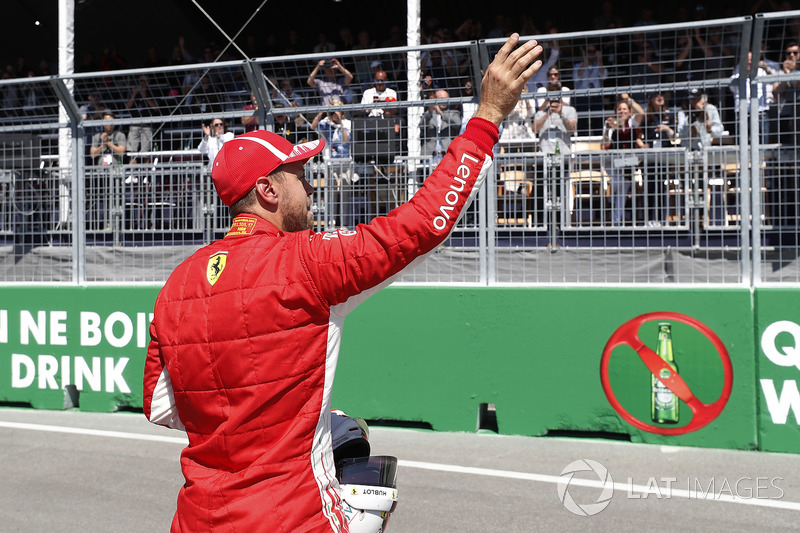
104, 176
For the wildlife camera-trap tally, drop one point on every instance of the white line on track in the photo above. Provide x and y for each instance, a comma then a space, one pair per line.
94, 432
628, 488
508, 474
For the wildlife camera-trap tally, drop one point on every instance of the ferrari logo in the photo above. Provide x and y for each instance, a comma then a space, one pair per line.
216, 264
354, 492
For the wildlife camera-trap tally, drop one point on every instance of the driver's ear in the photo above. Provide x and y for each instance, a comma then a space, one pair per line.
266, 189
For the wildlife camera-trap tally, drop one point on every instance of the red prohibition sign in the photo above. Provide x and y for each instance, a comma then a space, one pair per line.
702, 413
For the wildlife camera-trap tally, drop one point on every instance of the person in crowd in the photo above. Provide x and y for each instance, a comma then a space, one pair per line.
555, 126
543, 77
501, 28
621, 132
141, 104
108, 155
782, 90
439, 126
426, 88
439, 64
646, 69
764, 92
245, 336
365, 42
374, 67
295, 130
553, 85
214, 137
699, 121
109, 146
380, 92
34, 99
287, 95
471, 29
111, 59
10, 95
782, 196
250, 121
337, 77
660, 125
518, 123
686, 56
346, 39
394, 39
719, 55
608, 18
323, 45
153, 58
589, 73
205, 96
336, 129
180, 53
468, 109
93, 109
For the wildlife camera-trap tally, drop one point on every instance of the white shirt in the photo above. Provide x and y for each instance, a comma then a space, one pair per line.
543, 92
765, 96
372, 95
212, 145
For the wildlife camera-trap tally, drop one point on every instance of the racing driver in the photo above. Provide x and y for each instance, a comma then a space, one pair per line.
246, 332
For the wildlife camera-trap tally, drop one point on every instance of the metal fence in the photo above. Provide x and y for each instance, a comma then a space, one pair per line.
694, 204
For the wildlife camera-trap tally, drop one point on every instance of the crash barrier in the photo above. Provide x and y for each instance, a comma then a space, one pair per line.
537, 361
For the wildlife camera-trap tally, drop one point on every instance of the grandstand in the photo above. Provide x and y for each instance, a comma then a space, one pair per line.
725, 211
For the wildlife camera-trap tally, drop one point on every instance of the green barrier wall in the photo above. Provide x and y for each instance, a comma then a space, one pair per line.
92, 337
778, 368
433, 356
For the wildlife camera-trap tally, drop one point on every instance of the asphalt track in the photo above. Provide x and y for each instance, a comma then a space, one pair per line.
92, 472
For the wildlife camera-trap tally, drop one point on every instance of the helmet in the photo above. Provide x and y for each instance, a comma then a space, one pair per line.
349, 435
368, 484
369, 491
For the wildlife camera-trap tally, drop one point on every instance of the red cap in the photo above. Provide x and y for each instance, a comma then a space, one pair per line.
247, 157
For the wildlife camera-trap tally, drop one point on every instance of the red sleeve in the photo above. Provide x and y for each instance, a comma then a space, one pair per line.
343, 264
153, 366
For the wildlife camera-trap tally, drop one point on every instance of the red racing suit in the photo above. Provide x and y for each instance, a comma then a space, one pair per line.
244, 345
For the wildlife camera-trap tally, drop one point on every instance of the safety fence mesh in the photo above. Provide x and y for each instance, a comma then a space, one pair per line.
104, 176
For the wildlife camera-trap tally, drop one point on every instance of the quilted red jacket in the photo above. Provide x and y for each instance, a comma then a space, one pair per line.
245, 341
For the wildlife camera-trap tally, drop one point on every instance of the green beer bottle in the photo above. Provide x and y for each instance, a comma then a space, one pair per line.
664, 404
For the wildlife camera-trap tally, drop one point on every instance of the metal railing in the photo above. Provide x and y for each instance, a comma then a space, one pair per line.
724, 213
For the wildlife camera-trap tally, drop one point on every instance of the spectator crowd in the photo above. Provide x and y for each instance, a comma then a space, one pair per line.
572, 94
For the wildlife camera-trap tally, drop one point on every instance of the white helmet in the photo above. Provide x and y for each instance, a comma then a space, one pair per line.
369, 491
368, 484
